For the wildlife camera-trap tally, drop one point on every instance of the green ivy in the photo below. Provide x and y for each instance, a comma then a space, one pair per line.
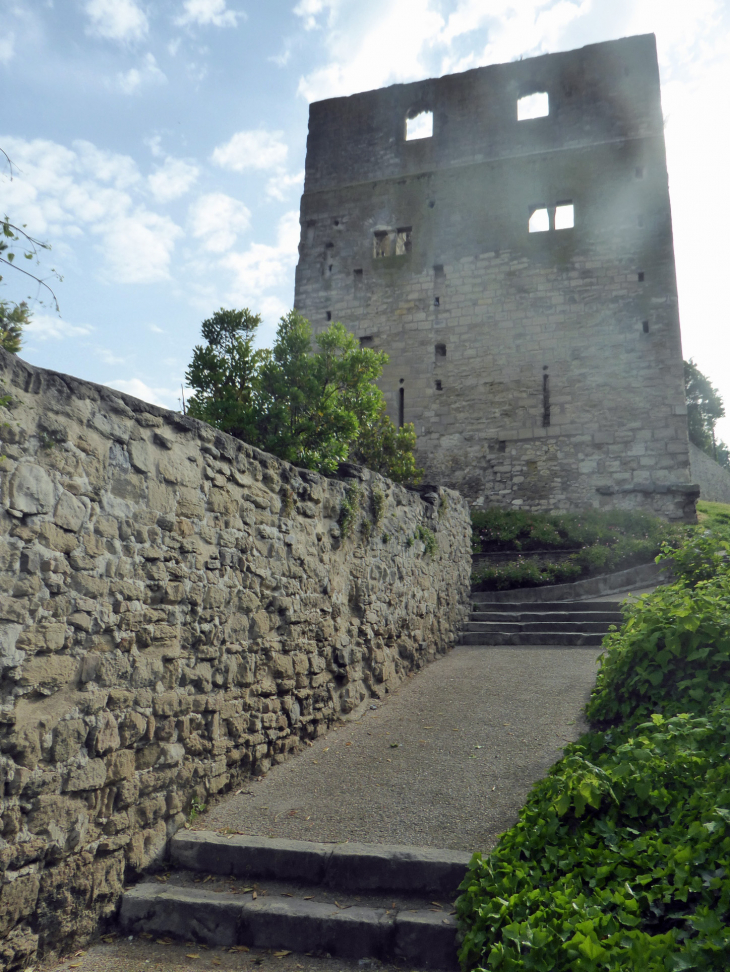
620, 860
428, 539
350, 509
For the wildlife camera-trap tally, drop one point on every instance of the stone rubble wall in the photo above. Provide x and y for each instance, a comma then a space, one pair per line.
713, 479
178, 611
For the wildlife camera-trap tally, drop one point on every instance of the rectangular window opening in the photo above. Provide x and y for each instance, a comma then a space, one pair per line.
329, 315
539, 221
564, 216
436, 301
439, 386
438, 269
366, 341
403, 241
535, 105
545, 400
640, 276
440, 350
645, 327
401, 407
381, 245
419, 126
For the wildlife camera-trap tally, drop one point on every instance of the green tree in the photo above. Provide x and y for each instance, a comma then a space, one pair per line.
704, 408
13, 318
313, 408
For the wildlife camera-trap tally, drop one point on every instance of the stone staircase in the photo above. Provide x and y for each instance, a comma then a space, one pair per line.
568, 623
357, 901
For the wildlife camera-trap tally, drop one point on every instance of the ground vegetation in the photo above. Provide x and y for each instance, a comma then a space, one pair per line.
592, 542
621, 857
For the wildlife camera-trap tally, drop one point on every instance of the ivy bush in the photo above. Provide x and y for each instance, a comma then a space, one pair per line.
621, 856
601, 542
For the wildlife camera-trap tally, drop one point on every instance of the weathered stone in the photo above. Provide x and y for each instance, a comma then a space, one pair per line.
30, 489
88, 776
48, 673
68, 738
70, 512
105, 736
140, 455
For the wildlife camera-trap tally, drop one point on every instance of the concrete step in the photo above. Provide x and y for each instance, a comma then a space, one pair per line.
485, 602
423, 938
351, 867
607, 617
566, 639
373, 901
576, 627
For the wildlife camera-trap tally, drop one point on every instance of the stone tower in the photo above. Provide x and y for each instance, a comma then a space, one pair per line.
505, 236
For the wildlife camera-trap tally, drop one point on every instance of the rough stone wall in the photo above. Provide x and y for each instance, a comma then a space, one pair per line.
541, 370
713, 479
179, 610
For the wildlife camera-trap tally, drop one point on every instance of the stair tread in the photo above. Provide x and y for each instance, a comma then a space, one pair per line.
354, 866
300, 891
226, 918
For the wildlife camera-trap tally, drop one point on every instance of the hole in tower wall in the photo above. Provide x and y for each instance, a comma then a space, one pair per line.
640, 276
401, 407
535, 105
419, 126
357, 277
381, 245
403, 241
439, 386
645, 327
440, 350
436, 301
539, 221
564, 215
366, 341
329, 315
545, 400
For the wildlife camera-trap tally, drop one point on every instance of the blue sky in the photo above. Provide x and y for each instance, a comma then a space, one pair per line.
159, 147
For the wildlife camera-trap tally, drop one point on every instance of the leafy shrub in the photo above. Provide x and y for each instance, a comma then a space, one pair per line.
523, 573
602, 542
620, 860
428, 539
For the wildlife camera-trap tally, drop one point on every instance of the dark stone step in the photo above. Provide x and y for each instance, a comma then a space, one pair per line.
351, 866
566, 639
597, 627
424, 938
574, 617
482, 603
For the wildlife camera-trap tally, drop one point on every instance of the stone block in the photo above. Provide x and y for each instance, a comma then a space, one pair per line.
30, 489
87, 776
70, 512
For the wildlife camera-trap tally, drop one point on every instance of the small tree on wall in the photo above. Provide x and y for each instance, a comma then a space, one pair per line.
314, 408
704, 407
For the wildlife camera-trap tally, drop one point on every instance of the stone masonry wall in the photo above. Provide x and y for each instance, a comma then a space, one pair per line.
713, 479
177, 611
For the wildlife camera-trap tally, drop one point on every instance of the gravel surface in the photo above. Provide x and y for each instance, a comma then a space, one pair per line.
446, 761
148, 955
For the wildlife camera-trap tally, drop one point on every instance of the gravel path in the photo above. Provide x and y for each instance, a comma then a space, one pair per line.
446, 761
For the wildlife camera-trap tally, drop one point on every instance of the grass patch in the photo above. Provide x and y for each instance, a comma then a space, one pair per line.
620, 860
598, 542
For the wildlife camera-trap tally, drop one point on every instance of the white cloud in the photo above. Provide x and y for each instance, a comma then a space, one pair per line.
280, 185
165, 397
257, 149
155, 329
309, 9
119, 20
66, 193
45, 326
138, 247
207, 12
7, 47
264, 267
149, 73
108, 357
172, 179
217, 219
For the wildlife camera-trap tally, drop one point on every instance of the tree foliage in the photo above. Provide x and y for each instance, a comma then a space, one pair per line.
313, 408
704, 407
13, 318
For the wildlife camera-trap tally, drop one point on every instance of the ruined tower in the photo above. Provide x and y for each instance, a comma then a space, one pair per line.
505, 236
